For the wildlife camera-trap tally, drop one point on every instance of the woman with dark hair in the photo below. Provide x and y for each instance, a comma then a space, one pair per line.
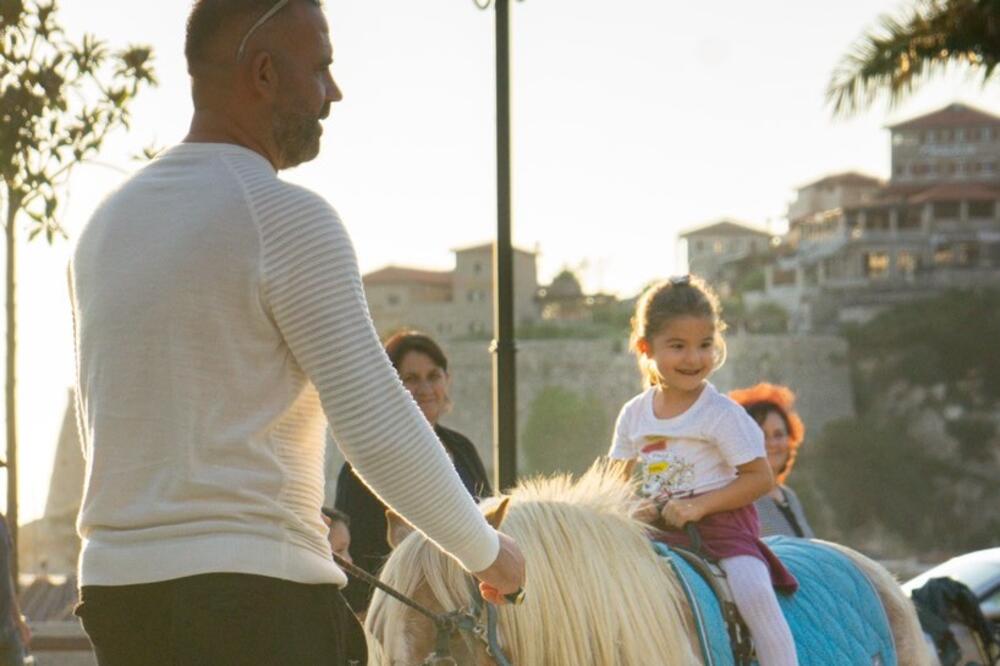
423, 369
773, 408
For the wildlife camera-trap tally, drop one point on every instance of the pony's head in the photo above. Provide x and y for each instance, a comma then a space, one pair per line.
593, 583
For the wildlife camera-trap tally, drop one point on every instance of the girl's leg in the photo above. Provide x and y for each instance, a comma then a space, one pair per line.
750, 583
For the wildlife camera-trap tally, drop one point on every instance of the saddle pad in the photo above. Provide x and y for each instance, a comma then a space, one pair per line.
836, 616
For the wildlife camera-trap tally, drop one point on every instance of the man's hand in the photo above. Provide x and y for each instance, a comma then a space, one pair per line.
679, 512
505, 575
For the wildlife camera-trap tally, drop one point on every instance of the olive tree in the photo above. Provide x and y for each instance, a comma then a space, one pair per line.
59, 101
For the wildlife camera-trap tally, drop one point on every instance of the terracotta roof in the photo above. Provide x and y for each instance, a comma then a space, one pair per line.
725, 228
921, 192
953, 191
953, 115
844, 178
403, 275
482, 247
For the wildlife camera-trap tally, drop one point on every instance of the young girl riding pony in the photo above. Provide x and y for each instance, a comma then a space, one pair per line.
701, 457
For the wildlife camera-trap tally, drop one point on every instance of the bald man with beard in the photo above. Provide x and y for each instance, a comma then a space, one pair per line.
220, 327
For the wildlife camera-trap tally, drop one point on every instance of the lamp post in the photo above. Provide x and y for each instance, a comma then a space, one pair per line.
503, 346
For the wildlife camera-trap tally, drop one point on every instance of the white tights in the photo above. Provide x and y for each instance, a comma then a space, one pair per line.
750, 582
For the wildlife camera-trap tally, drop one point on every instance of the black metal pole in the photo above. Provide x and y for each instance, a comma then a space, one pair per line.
503, 348
11, 385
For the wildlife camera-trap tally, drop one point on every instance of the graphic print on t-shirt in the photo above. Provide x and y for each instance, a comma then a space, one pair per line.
663, 474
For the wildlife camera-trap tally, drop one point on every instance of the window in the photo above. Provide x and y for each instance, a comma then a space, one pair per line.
878, 219
982, 209
477, 268
944, 255
393, 299
966, 254
782, 277
909, 218
717, 247
876, 264
929, 136
920, 169
946, 210
906, 263
699, 245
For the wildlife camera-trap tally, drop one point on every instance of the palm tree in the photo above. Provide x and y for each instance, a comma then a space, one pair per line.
901, 52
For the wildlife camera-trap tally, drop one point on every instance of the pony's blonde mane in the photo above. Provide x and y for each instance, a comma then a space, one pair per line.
593, 582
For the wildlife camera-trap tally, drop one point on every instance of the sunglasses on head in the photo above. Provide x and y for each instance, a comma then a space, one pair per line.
261, 21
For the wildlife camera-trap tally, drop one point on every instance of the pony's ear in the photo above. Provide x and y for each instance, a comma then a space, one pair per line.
496, 515
397, 528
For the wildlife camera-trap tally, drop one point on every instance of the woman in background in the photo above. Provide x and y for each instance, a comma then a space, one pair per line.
773, 408
423, 369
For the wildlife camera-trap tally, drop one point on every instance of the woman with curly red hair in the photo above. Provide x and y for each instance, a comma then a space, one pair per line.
773, 408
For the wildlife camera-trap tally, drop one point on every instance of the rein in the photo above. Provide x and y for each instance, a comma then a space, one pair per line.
470, 622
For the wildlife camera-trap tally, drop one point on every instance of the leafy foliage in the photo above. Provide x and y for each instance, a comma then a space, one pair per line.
767, 318
900, 53
58, 103
564, 432
880, 476
921, 460
949, 340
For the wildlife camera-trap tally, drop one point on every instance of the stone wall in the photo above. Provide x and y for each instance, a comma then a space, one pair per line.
814, 366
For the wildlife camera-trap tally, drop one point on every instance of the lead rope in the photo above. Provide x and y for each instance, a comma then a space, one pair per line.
445, 623
361, 574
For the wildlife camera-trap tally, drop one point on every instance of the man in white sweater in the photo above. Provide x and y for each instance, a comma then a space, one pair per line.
220, 325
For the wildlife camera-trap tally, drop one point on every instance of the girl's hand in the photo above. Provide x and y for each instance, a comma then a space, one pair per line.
646, 511
679, 512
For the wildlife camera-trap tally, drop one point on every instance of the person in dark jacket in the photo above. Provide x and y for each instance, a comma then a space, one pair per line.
423, 368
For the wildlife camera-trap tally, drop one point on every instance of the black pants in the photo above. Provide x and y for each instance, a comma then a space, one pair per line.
221, 619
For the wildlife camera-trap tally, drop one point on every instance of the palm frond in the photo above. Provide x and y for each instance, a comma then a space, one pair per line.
901, 53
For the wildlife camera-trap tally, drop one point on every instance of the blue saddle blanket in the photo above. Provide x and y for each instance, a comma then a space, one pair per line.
836, 616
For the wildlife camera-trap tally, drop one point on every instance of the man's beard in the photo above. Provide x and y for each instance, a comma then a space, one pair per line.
297, 136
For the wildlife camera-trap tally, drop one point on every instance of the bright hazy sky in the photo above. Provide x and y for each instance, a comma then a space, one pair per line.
633, 119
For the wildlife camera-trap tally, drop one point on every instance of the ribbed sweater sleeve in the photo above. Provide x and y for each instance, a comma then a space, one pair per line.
312, 289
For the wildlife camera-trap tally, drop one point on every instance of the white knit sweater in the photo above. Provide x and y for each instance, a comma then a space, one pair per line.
220, 323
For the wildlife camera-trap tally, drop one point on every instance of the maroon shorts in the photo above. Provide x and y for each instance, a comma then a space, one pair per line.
730, 534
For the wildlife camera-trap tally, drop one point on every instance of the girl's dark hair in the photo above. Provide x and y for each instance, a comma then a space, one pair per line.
684, 296
402, 343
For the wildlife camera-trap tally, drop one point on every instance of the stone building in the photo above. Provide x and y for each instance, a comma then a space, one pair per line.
447, 304
934, 226
714, 246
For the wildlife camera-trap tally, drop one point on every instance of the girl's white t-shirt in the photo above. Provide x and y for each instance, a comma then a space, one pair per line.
691, 453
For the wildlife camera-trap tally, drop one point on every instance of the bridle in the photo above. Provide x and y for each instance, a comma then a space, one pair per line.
477, 622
